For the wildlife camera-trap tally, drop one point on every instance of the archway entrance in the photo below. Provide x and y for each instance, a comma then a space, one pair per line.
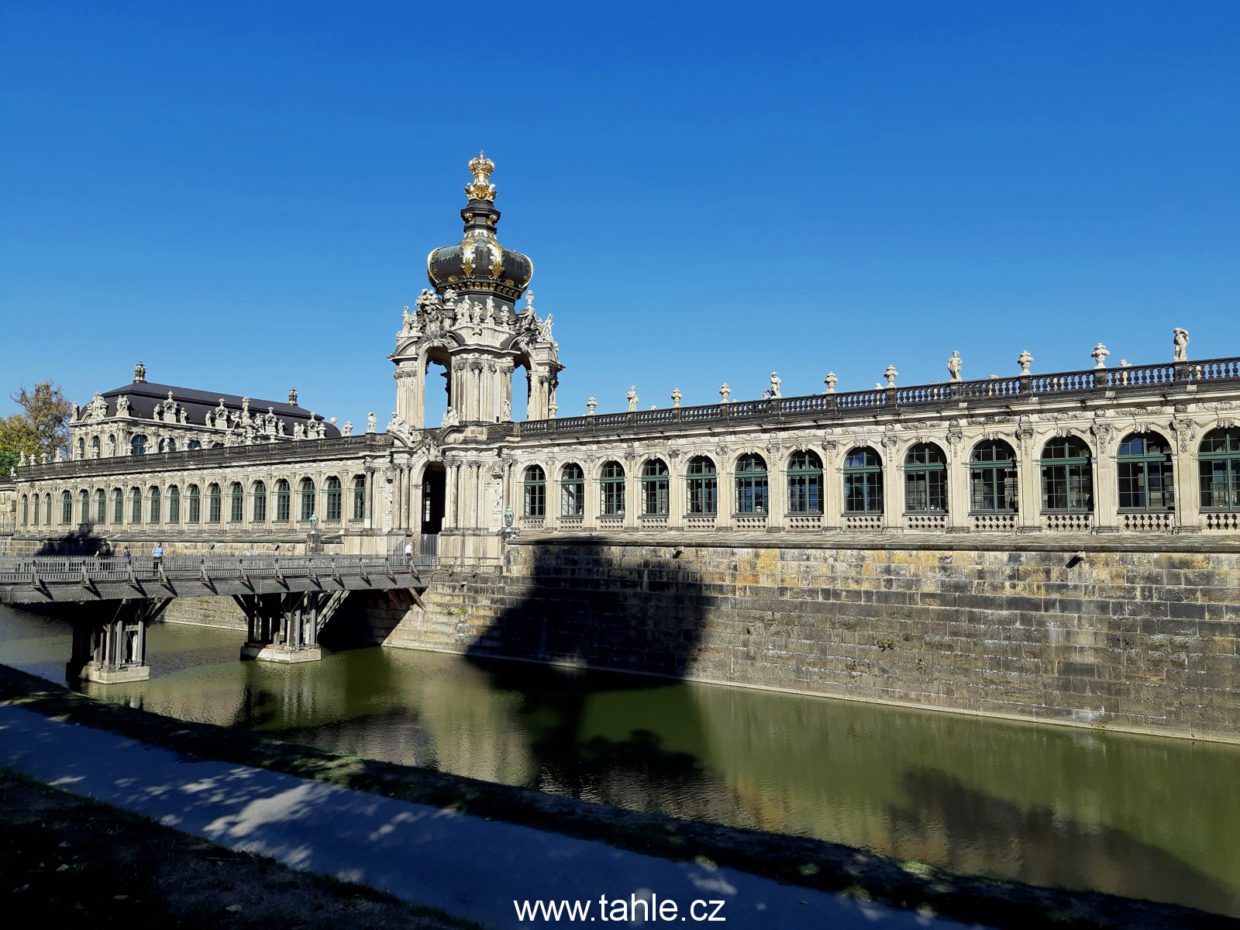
434, 481
436, 393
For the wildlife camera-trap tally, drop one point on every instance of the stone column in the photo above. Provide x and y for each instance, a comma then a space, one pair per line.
958, 503
1106, 486
1187, 481
1028, 484
832, 487
593, 503
893, 489
725, 483
777, 489
677, 490
449, 503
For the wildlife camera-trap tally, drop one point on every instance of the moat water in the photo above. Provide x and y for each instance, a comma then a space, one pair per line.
1143, 817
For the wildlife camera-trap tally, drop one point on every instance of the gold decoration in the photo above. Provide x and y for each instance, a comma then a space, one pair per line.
481, 188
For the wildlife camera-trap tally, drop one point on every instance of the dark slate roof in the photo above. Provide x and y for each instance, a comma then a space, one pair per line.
144, 395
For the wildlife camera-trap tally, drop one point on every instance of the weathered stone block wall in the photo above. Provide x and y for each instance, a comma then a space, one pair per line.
1143, 641
220, 612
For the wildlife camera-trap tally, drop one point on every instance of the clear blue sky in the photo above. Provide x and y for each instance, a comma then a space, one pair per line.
243, 194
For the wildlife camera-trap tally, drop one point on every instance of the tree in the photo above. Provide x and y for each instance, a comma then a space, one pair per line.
47, 414
17, 435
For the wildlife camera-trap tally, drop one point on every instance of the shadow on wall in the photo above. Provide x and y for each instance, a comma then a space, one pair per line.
78, 542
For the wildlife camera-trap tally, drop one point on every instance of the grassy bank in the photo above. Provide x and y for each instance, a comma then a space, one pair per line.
811, 863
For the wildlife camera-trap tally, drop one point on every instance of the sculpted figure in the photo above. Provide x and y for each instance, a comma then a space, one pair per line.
299, 431
122, 405
1180, 339
632, 398
505, 414
77, 411
954, 364
450, 418
347, 429
775, 383
591, 404
370, 422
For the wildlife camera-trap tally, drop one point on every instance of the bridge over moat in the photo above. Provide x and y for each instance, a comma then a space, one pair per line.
286, 600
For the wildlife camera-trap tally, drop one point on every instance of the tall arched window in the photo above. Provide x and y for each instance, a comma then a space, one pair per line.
174, 504
84, 506
172, 445
863, 481
137, 445
359, 497
118, 506
1219, 470
703, 485
572, 490
1145, 473
193, 508
94, 447
804, 482
47, 509
101, 506
258, 513
135, 505
992, 477
334, 499
26, 510
111, 446
283, 504
154, 501
611, 484
656, 486
534, 486
752, 489
214, 503
925, 479
307, 498
236, 503
81, 447
36, 509
1067, 478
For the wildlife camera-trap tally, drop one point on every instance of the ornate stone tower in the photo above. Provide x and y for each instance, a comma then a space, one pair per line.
470, 324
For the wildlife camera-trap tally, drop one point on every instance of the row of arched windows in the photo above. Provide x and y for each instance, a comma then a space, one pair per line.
1144, 480
168, 505
138, 445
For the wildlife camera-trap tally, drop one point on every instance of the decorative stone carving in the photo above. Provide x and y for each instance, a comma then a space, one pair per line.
591, 404
1025, 361
371, 422
450, 418
347, 429
724, 393
631, 396
891, 374
139, 373
1179, 338
676, 395
122, 405
830, 381
775, 384
292, 397
954, 364
1099, 355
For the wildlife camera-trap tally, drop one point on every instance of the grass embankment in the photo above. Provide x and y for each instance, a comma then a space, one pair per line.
811, 863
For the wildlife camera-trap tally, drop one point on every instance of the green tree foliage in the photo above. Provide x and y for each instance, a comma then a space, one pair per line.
17, 435
43, 427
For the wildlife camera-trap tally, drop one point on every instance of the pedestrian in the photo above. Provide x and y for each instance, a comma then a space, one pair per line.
126, 556
157, 555
408, 550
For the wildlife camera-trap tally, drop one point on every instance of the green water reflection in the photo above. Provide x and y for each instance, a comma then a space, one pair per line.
1136, 816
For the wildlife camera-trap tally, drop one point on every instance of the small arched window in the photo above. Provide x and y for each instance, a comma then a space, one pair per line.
863, 481
925, 479
992, 477
258, 511
137, 445
572, 490
611, 484
172, 445
805, 482
307, 498
193, 509
135, 505
236, 503
334, 499
702, 483
752, 485
534, 486
1218, 470
154, 504
101, 506
1145, 472
359, 497
1067, 476
283, 505
194, 444
26, 510
118, 506
655, 488
215, 500
174, 504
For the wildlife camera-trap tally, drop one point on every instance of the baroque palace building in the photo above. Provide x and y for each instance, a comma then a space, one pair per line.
1129, 449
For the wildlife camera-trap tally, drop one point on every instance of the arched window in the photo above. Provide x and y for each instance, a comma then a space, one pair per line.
26, 510
703, 485
193, 510
66, 507
137, 445
47, 509
863, 481
194, 444
94, 447
804, 482
81, 448
111, 446
172, 445
236, 503
307, 498
1146, 479
1219, 470
334, 499
925, 479
154, 504
359, 497
282, 501
36, 508
572, 490
258, 513
84, 506
214, 503
534, 485
101, 506
992, 477
655, 487
174, 504
611, 483
752, 491
135, 505
118, 506
1067, 479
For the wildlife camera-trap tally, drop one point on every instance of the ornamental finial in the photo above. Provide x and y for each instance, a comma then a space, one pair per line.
481, 188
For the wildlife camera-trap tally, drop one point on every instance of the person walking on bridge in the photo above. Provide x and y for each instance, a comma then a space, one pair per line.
157, 555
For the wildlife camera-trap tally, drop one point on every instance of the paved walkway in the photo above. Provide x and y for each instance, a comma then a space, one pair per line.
470, 867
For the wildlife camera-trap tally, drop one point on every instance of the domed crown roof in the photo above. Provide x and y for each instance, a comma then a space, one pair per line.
479, 264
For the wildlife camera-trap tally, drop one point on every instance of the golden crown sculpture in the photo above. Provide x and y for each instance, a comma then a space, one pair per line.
481, 188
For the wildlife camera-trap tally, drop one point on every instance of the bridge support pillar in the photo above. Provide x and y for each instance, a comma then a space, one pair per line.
285, 627
112, 648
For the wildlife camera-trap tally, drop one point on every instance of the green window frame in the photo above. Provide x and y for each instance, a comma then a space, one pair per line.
66, 507
193, 510
1146, 473
656, 488
137, 445
925, 479
359, 497
258, 511
307, 491
47, 508
284, 503
572, 490
84, 505
118, 506
1067, 476
25, 510
752, 484
534, 491
334, 500
863, 481
153, 504
174, 504
36, 510
214, 503
804, 482
702, 485
992, 478
236, 502
101, 506
611, 488
1218, 470
135, 505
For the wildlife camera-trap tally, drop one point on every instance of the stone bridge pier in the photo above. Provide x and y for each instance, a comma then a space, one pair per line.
285, 627
109, 641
